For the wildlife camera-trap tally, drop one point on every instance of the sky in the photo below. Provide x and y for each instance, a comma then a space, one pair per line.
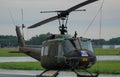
78, 21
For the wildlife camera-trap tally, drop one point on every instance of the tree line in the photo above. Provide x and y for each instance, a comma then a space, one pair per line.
11, 41
8, 41
113, 41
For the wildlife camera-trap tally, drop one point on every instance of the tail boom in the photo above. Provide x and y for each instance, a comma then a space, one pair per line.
20, 37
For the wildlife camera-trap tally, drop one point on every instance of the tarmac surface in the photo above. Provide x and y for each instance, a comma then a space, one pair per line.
22, 73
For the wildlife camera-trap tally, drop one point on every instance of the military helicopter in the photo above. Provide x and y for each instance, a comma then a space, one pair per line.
61, 51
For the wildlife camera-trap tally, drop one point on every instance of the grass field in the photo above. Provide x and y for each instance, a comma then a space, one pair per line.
4, 52
111, 51
21, 65
106, 67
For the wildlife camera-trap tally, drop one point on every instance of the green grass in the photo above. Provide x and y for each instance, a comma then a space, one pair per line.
4, 52
100, 51
106, 67
21, 65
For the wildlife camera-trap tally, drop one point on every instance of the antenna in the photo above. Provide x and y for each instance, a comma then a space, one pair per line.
23, 26
11, 17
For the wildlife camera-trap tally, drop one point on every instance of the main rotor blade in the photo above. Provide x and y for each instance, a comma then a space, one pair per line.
44, 22
80, 5
59, 11
62, 14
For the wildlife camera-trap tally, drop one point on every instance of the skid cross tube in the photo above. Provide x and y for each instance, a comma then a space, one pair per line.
91, 75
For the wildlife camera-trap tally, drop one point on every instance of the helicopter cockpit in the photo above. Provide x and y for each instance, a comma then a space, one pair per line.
78, 43
69, 44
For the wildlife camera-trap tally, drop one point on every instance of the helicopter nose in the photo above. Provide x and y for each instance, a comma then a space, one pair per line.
76, 58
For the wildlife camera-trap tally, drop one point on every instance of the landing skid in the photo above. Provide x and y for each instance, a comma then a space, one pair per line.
48, 73
54, 73
90, 74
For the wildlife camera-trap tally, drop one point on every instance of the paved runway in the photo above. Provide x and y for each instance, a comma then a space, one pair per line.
108, 58
17, 59
29, 59
22, 73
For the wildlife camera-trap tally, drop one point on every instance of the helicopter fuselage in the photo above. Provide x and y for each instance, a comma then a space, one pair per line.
70, 53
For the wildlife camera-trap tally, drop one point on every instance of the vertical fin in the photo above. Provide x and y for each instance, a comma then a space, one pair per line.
20, 37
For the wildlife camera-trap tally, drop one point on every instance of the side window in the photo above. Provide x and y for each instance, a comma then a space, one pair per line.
52, 50
46, 51
77, 44
42, 50
60, 50
68, 46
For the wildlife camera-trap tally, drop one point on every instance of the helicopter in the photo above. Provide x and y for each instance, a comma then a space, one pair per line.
61, 51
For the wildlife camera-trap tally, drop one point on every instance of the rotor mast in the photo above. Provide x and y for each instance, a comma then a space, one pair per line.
63, 25
63, 28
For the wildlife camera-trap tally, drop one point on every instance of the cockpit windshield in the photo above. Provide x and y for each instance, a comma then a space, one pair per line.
86, 44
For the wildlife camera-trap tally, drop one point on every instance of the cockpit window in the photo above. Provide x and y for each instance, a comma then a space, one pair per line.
86, 44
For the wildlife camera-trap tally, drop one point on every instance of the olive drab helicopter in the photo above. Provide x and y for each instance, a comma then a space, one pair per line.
61, 51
